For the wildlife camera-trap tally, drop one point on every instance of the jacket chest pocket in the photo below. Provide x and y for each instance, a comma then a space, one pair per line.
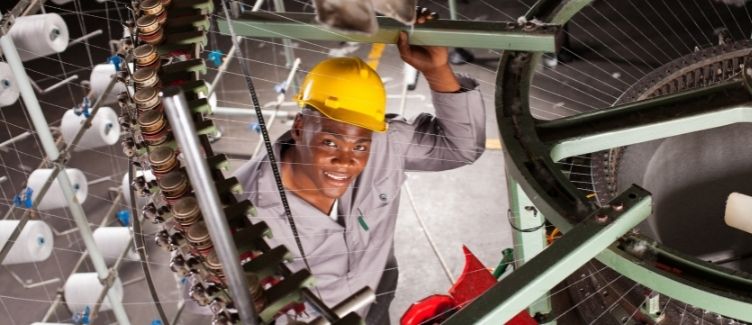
375, 215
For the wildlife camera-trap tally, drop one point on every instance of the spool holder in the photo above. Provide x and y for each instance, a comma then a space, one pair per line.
186, 34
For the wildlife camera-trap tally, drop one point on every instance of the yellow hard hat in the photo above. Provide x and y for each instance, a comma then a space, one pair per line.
347, 90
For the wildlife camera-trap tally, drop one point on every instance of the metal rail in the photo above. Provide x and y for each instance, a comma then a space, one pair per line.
178, 113
469, 34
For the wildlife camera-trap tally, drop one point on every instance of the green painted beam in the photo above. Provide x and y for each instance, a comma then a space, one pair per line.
467, 34
717, 300
583, 242
653, 131
530, 236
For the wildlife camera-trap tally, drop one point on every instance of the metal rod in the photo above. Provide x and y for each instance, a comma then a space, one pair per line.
469, 34
85, 37
15, 139
50, 148
59, 84
257, 5
222, 68
279, 6
357, 301
100, 180
453, 9
184, 131
30, 285
53, 306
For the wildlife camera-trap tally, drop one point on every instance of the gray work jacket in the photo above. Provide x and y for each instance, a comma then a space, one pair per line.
345, 259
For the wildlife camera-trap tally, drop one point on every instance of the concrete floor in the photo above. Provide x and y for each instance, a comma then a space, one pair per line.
466, 206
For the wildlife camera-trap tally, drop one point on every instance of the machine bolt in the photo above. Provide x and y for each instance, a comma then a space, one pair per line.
601, 218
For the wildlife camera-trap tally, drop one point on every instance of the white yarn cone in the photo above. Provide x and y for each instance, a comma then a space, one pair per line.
739, 212
111, 241
54, 198
8, 87
39, 35
83, 289
100, 78
34, 244
104, 130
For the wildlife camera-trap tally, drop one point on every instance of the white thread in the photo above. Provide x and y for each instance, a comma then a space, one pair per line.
39, 35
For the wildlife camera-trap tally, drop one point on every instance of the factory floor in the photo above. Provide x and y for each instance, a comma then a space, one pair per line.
466, 206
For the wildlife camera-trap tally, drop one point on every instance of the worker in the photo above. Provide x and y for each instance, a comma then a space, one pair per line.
343, 163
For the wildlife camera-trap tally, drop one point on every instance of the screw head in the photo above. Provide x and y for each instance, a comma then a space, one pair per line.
601, 218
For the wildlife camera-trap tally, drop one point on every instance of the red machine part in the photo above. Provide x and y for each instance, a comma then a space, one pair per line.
475, 280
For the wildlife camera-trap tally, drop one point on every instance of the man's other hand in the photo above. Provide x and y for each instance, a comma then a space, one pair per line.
432, 61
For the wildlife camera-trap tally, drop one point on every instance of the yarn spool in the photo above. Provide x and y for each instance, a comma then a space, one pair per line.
54, 198
104, 130
100, 78
8, 87
34, 244
111, 242
83, 289
39, 35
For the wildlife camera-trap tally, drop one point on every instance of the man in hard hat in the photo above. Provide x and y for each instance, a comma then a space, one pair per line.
344, 161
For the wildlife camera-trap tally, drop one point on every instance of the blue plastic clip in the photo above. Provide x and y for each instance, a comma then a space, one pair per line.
82, 317
85, 107
156, 322
124, 216
255, 127
280, 87
215, 56
27, 197
115, 60
24, 199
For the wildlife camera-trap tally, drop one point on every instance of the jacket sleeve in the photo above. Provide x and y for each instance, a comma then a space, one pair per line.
454, 137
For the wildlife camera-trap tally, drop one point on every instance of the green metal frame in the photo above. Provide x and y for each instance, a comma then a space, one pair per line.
533, 279
533, 146
468, 34
532, 240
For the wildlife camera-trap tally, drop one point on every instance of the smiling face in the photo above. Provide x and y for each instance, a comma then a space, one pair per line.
329, 155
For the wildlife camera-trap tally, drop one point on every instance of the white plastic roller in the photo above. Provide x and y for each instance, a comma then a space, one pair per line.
739, 212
